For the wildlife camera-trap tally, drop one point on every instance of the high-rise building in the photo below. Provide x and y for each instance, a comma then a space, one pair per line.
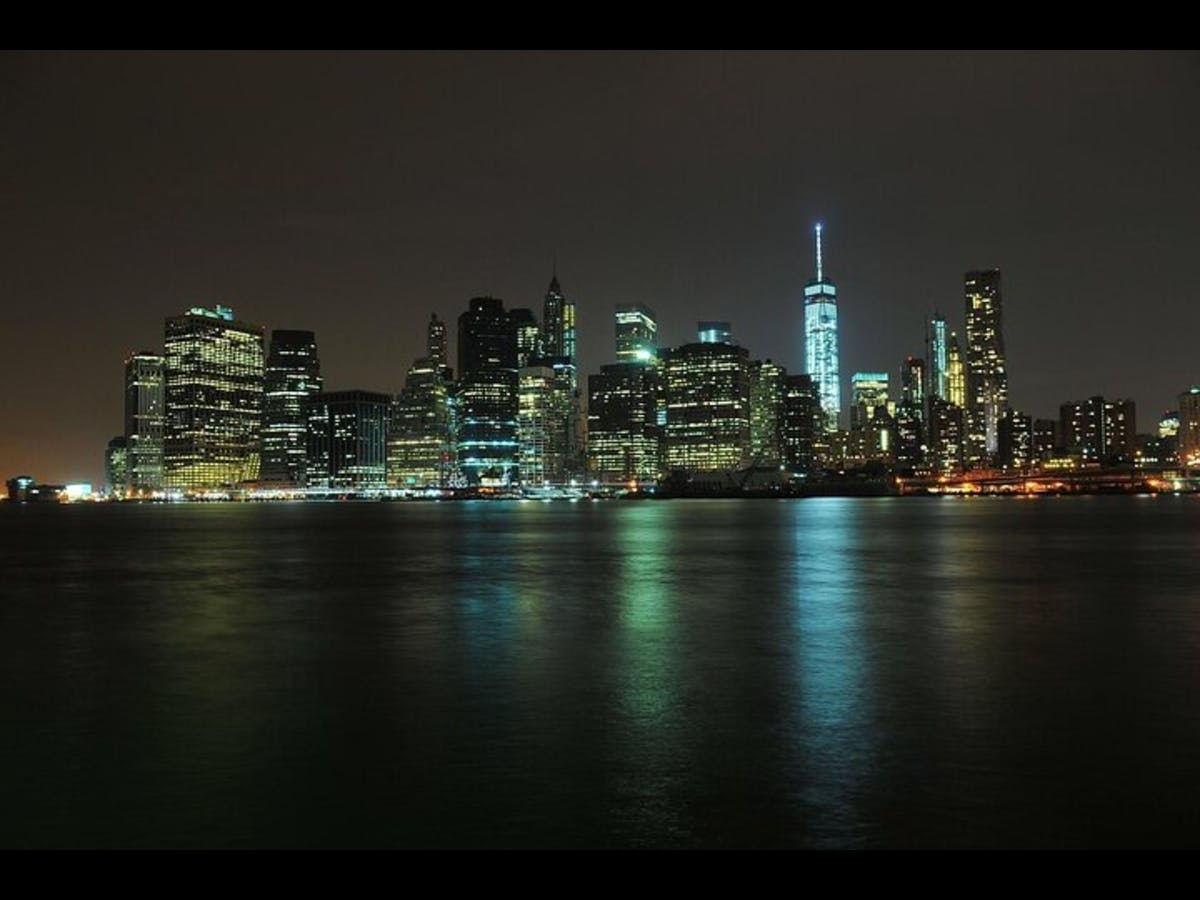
945, 439
987, 377
214, 395
708, 407
1045, 438
624, 439
145, 411
1188, 436
637, 333
767, 385
116, 467
420, 451
1099, 431
528, 334
935, 352
488, 445
1017, 449
714, 332
435, 343
347, 440
868, 392
545, 424
293, 375
802, 424
558, 326
912, 383
956, 374
821, 340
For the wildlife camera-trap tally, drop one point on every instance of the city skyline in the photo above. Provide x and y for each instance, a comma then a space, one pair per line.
98, 256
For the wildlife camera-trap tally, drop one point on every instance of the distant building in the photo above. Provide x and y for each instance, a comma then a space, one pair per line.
987, 375
938, 384
868, 392
802, 425
145, 414
214, 400
293, 375
421, 450
945, 438
347, 440
488, 445
1045, 438
714, 332
637, 333
624, 438
707, 389
767, 380
558, 328
1016, 440
821, 340
545, 424
1099, 431
956, 374
1189, 427
528, 335
116, 467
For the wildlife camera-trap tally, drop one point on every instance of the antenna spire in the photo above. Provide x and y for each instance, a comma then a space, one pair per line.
820, 272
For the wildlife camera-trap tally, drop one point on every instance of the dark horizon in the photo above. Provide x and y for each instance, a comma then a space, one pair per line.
355, 194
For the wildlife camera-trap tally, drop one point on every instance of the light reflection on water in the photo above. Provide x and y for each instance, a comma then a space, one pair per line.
819, 673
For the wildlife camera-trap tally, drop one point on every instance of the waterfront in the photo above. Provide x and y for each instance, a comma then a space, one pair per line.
817, 673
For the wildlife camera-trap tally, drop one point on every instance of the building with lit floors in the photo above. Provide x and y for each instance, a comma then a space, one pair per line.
347, 441
936, 353
624, 439
1099, 432
987, 375
545, 425
214, 367
488, 445
767, 384
1017, 449
821, 340
558, 327
707, 388
420, 448
293, 375
116, 467
636, 333
802, 425
944, 440
145, 415
1188, 434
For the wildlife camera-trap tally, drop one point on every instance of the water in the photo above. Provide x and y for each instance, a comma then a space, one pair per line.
817, 673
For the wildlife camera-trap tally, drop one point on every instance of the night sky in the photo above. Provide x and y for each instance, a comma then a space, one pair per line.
354, 194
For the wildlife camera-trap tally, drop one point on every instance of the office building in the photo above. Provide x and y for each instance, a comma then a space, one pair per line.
528, 336
214, 400
956, 374
936, 348
637, 333
1099, 431
945, 437
347, 441
420, 449
145, 414
767, 385
116, 467
487, 440
714, 332
1016, 444
707, 390
1188, 436
821, 340
293, 375
987, 376
558, 327
546, 413
624, 438
802, 425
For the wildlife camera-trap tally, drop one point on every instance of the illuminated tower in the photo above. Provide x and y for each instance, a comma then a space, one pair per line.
145, 406
935, 353
637, 333
488, 449
293, 375
987, 377
558, 326
956, 376
435, 348
214, 399
821, 340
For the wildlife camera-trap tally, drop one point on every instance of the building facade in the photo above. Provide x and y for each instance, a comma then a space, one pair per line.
488, 445
987, 375
293, 375
707, 388
821, 340
145, 415
214, 367
347, 441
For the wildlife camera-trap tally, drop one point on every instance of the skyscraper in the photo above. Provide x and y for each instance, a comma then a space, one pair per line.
714, 332
956, 374
420, 445
708, 407
488, 446
767, 381
116, 467
528, 334
436, 342
624, 439
558, 325
637, 333
935, 352
347, 440
293, 375
821, 340
145, 407
802, 424
545, 425
1188, 435
214, 394
987, 378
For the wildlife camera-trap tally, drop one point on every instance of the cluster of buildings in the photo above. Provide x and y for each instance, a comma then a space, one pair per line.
223, 408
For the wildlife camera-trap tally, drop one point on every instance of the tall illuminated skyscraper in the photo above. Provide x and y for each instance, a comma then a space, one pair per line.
637, 333
214, 396
821, 340
956, 374
435, 346
558, 326
293, 375
488, 446
987, 377
935, 353
145, 406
